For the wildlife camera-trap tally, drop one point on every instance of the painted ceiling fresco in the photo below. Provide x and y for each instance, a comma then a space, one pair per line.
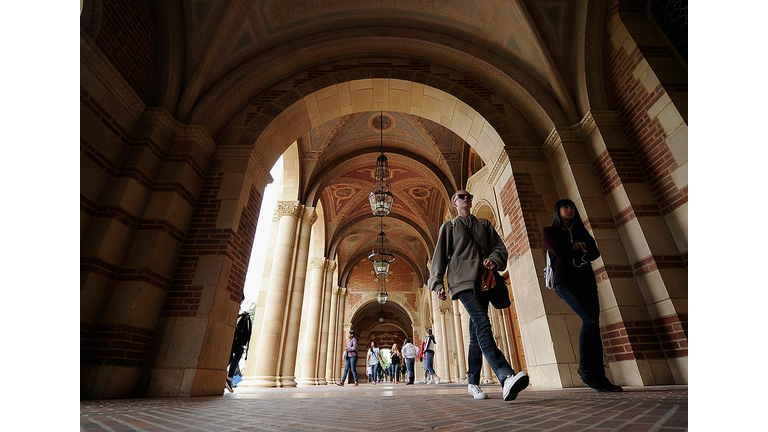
341, 155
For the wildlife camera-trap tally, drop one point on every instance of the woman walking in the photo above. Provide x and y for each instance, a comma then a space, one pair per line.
571, 249
351, 363
373, 360
394, 358
429, 354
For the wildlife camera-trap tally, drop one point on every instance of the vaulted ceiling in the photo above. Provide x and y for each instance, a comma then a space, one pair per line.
233, 66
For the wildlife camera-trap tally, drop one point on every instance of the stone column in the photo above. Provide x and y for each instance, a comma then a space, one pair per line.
461, 356
291, 342
340, 338
325, 323
270, 347
438, 359
308, 352
332, 336
444, 350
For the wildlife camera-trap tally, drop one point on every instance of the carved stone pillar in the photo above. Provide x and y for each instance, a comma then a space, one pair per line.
308, 352
332, 336
444, 350
325, 323
461, 354
291, 342
340, 338
269, 348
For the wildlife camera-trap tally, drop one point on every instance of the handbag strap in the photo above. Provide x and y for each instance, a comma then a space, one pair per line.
472, 234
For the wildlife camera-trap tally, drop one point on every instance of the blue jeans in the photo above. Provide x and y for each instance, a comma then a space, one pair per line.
350, 364
481, 341
429, 356
375, 371
587, 306
409, 364
396, 372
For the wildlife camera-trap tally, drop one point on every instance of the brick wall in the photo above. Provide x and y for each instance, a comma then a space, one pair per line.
646, 136
126, 38
525, 207
113, 345
203, 238
665, 337
401, 277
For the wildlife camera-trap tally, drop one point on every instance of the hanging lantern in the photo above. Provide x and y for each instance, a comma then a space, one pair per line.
381, 198
381, 296
381, 255
382, 318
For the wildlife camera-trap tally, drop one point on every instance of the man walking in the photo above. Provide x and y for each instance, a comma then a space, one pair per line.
459, 250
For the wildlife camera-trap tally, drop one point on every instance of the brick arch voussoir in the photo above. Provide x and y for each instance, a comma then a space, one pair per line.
272, 103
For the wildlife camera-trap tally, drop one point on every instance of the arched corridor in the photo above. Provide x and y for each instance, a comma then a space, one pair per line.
177, 143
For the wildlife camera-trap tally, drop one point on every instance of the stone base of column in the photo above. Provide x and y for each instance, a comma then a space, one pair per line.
305, 382
258, 381
286, 381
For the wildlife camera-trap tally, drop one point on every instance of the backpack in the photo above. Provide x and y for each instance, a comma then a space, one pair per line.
243, 331
549, 274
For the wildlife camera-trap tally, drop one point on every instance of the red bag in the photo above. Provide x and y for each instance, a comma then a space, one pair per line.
421, 349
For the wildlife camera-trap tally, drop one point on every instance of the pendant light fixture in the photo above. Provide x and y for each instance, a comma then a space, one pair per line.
381, 255
381, 198
381, 296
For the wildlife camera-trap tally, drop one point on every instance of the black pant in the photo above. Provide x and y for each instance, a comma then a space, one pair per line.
586, 304
234, 358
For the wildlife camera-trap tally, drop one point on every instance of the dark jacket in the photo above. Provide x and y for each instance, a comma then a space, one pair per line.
459, 258
559, 243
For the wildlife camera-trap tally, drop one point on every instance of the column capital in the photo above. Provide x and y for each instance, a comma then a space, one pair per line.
310, 215
317, 263
289, 208
331, 265
342, 291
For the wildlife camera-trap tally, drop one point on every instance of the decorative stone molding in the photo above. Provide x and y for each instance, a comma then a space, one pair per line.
180, 130
550, 144
579, 132
477, 177
310, 215
331, 266
92, 56
95, 13
525, 153
498, 167
288, 208
317, 263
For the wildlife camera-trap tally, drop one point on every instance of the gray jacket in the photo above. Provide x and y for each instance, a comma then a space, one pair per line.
459, 257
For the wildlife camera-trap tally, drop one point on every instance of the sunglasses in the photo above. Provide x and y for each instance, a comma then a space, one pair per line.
462, 196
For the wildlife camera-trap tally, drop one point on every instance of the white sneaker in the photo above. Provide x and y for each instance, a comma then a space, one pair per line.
514, 385
475, 392
430, 381
437, 380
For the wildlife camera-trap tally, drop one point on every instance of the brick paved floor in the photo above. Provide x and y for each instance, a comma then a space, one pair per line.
445, 407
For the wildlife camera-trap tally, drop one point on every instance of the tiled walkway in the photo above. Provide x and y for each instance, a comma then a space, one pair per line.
387, 407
